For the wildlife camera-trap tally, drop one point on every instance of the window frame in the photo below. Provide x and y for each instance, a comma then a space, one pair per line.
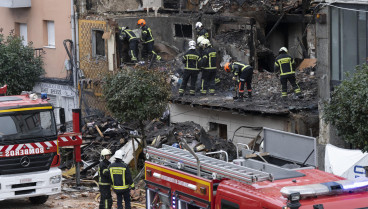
94, 43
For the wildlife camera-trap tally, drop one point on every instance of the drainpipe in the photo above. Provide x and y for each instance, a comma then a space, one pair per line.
75, 79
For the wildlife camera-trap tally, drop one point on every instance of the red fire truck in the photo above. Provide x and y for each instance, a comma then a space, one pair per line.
179, 179
29, 142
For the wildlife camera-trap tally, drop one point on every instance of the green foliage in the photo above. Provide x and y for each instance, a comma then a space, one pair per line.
137, 94
19, 68
348, 108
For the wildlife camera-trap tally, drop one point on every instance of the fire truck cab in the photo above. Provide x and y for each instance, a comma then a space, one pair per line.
179, 178
29, 156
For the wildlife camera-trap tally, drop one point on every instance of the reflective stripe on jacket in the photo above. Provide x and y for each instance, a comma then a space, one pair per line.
103, 173
237, 68
209, 59
285, 63
121, 177
147, 34
191, 59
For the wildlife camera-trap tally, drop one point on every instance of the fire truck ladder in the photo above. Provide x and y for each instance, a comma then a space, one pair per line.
209, 167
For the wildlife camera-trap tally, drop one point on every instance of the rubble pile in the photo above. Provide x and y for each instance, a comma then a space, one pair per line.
197, 138
102, 133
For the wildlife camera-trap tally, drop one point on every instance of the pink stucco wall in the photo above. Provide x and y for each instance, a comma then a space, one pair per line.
58, 11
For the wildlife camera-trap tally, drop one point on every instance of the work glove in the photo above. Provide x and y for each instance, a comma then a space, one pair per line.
234, 78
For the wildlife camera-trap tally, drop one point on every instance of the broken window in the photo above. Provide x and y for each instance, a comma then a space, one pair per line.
98, 43
219, 130
348, 40
183, 31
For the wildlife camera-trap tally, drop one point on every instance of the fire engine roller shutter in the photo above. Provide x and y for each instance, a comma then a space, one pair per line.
182, 194
156, 188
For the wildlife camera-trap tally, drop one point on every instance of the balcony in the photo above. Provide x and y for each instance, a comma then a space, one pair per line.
15, 3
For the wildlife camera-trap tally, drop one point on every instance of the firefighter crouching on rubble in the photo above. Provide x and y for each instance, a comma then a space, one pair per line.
191, 69
209, 67
104, 180
129, 35
121, 180
285, 62
147, 40
243, 74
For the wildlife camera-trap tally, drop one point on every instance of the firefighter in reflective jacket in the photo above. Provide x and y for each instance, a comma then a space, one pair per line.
243, 74
285, 62
104, 180
147, 39
129, 35
209, 67
201, 31
191, 60
121, 179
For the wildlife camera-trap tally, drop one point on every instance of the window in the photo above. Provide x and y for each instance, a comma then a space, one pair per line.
49, 34
23, 33
98, 43
218, 130
183, 31
348, 39
225, 204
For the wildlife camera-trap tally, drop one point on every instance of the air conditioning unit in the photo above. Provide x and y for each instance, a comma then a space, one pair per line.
15, 3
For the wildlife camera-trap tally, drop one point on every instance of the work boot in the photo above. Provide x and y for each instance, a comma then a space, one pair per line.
181, 94
212, 94
284, 98
300, 95
240, 98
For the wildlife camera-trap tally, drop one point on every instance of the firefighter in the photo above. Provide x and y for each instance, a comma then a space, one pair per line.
243, 74
129, 35
285, 62
121, 179
104, 180
201, 31
208, 64
191, 61
147, 40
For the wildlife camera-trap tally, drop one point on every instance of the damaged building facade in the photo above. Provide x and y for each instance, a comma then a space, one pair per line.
341, 36
247, 31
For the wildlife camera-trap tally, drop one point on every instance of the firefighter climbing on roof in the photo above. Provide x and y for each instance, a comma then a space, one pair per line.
284, 62
209, 67
243, 75
191, 69
201, 31
104, 180
129, 35
147, 40
121, 179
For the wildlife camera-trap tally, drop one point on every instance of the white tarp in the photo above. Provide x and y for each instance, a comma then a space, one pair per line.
345, 162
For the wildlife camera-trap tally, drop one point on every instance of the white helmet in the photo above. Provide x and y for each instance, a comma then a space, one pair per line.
105, 152
283, 49
198, 25
200, 39
205, 43
119, 154
192, 44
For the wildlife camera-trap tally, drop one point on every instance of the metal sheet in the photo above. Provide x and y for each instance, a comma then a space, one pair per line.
290, 146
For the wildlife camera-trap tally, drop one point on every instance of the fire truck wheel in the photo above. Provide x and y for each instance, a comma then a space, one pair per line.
38, 200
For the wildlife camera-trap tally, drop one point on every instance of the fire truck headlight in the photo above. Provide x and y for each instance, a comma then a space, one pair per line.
55, 179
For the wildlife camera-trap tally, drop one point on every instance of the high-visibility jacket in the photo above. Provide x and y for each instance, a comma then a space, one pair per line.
285, 63
237, 68
191, 60
209, 59
103, 173
147, 34
129, 35
121, 177
203, 32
